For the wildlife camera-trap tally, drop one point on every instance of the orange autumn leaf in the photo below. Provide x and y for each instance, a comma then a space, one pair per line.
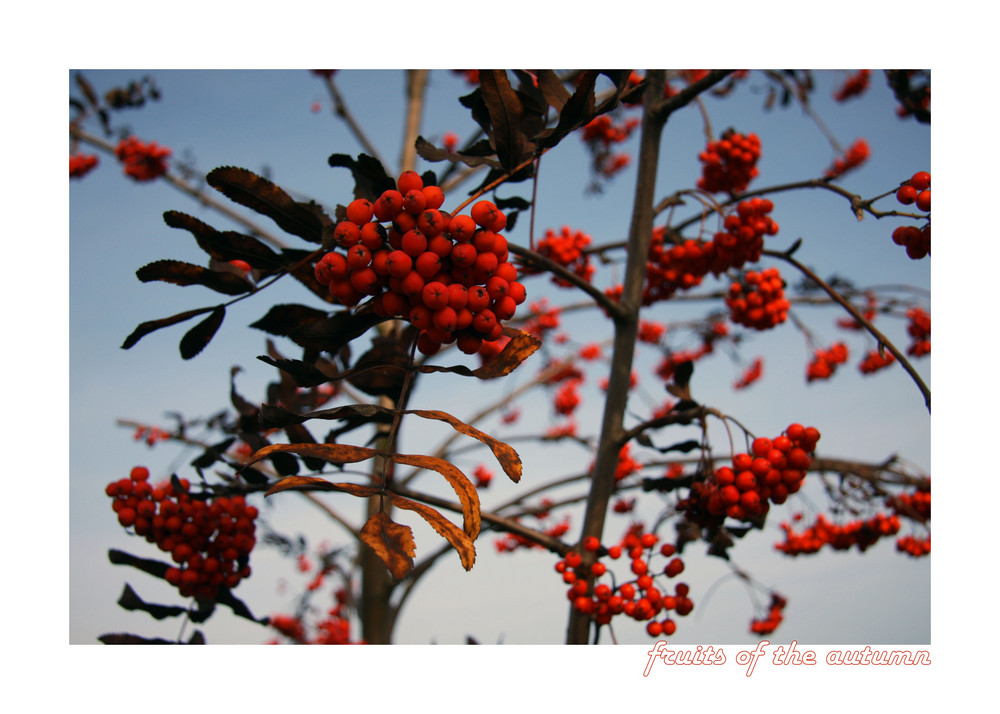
504, 453
464, 488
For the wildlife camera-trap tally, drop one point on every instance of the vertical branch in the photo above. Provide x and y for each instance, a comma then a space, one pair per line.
626, 330
377, 614
416, 84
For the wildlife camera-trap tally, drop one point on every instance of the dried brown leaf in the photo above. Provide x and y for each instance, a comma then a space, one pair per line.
334, 453
315, 483
392, 542
521, 346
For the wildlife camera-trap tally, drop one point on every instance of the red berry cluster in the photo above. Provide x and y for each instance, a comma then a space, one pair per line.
730, 163
448, 275
567, 397
874, 361
854, 86
751, 374
824, 362
916, 505
81, 164
871, 307
567, 249
639, 598
758, 300
917, 190
856, 154
602, 129
334, 629
861, 534
773, 469
673, 267
775, 614
913, 546
209, 539
917, 241
599, 135
514, 541
919, 329
143, 162
150, 434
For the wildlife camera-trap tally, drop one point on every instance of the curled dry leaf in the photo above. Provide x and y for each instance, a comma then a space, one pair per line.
448, 530
315, 483
464, 488
392, 542
504, 453
334, 453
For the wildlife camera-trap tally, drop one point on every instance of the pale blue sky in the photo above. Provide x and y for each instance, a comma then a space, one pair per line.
263, 119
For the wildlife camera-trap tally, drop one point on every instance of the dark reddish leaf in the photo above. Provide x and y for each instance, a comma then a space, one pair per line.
506, 113
335, 331
124, 638
392, 542
381, 371
459, 540
181, 273
272, 417
304, 374
201, 334
241, 405
250, 190
370, 177
152, 567
129, 600
226, 245
285, 320
298, 434
212, 454
146, 327
87, 89
239, 608
428, 151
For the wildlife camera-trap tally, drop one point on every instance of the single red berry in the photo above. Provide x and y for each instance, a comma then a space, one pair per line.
906, 195
409, 181
921, 180
360, 211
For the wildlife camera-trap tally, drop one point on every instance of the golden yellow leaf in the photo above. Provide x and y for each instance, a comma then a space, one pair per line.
315, 483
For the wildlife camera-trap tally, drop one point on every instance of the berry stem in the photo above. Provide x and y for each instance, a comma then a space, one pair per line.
875, 332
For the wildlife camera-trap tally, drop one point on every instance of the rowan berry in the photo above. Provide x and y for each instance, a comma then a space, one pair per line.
360, 211
484, 213
906, 194
920, 180
409, 181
